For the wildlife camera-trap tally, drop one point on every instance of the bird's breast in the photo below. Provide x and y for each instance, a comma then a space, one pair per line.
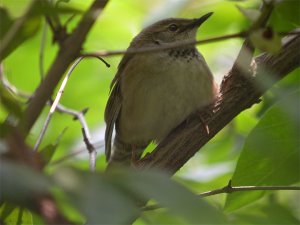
159, 91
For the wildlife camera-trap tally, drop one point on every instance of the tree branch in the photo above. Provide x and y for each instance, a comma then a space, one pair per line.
69, 51
55, 104
239, 91
242, 34
229, 189
78, 115
144, 50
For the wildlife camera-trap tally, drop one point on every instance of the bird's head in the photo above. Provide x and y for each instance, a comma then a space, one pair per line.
170, 30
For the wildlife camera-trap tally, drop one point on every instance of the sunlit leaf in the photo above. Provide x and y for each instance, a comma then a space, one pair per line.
250, 14
271, 153
15, 215
31, 24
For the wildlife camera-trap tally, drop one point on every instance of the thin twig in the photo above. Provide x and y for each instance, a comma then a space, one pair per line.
165, 46
90, 147
97, 145
228, 189
85, 131
69, 50
55, 103
11, 88
242, 34
78, 115
67, 157
58, 30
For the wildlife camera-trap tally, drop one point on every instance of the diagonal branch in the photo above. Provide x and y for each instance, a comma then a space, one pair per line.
241, 92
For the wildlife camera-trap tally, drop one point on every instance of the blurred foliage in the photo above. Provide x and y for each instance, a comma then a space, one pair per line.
277, 131
259, 147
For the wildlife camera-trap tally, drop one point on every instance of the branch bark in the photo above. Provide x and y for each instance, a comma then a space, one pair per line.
239, 91
69, 50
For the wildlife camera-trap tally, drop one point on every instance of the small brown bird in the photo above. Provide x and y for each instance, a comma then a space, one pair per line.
154, 92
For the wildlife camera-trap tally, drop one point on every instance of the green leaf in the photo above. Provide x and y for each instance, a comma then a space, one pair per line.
269, 213
250, 14
20, 183
289, 10
180, 201
27, 30
266, 40
48, 151
9, 102
161, 216
57, 9
6, 21
271, 153
114, 197
15, 215
100, 201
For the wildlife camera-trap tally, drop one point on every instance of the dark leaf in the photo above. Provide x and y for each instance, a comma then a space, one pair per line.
94, 197
269, 213
180, 201
20, 183
271, 152
9, 102
113, 198
27, 30
289, 10
47, 152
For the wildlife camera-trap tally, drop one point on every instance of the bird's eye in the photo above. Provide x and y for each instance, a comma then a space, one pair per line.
173, 27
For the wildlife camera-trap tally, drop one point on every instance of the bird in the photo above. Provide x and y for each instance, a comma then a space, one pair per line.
154, 92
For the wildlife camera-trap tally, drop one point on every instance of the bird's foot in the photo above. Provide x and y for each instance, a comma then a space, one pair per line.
205, 125
134, 156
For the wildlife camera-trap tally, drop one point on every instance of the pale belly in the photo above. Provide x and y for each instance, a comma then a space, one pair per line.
158, 101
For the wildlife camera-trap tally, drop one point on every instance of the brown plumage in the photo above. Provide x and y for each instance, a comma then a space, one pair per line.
154, 92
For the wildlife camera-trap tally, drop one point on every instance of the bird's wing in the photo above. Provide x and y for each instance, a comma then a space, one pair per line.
112, 111
114, 104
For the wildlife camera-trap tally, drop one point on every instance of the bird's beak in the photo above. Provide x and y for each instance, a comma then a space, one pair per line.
196, 22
